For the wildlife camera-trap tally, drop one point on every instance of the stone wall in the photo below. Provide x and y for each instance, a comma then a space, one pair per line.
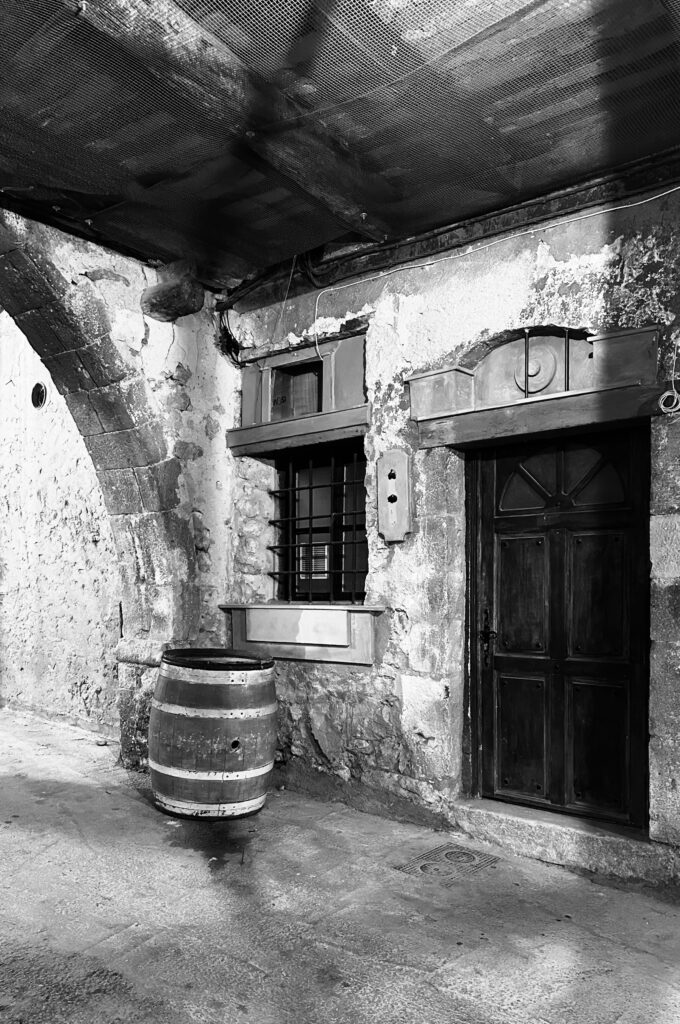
151, 402
400, 727
59, 582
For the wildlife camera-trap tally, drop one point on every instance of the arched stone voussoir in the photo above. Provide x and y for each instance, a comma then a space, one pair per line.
154, 548
120, 406
93, 365
79, 308
153, 488
55, 312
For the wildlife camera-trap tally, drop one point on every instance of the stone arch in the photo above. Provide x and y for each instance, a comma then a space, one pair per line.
70, 326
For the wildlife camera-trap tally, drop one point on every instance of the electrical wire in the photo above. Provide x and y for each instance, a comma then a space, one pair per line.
285, 299
669, 401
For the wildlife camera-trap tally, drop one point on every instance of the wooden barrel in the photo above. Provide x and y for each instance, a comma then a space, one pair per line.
212, 732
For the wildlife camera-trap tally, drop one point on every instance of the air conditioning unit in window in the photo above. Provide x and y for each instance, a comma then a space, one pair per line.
313, 562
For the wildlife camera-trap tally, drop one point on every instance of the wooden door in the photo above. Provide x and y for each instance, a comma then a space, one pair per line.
561, 623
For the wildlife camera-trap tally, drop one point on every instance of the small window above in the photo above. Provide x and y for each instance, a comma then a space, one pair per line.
296, 390
312, 394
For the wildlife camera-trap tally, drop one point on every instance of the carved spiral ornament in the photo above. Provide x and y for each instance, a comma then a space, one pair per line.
542, 369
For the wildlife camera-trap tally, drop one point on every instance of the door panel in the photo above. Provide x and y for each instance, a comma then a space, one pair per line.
521, 735
562, 557
597, 594
523, 582
598, 727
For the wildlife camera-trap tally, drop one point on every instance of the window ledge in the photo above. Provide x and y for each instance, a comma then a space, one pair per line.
342, 633
316, 428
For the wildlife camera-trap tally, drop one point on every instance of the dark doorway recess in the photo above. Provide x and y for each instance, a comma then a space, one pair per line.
560, 619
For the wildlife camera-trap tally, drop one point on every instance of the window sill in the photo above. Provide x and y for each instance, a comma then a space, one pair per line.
342, 633
322, 427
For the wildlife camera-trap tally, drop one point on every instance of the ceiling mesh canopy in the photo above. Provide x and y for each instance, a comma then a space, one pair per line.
242, 133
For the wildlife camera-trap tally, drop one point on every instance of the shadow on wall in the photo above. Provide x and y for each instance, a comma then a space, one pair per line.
639, 287
618, 269
59, 587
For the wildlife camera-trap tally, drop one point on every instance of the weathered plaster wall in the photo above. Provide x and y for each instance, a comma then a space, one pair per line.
59, 580
399, 726
151, 402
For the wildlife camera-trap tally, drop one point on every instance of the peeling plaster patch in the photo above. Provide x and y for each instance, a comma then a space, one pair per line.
211, 426
104, 274
328, 326
187, 451
629, 281
180, 375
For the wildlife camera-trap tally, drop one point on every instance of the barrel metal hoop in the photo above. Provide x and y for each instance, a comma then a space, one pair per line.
217, 678
198, 776
187, 712
200, 810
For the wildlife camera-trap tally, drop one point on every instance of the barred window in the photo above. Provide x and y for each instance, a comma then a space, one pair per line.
321, 552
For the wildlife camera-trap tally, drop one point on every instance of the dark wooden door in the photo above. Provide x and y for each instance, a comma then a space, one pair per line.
563, 570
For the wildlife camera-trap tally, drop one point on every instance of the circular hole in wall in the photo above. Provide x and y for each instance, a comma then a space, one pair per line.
39, 395
235, 744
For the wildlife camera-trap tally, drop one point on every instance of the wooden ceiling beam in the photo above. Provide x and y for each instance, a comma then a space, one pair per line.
194, 63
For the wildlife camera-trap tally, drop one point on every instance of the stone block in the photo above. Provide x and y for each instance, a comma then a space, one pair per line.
49, 331
22, 287
425, 724
665, 488
123, 405
136, 651
161, 615
112, 408
664, 691
68, 373
427, 649
159, 485
442, 478
664, 546
104, 362
177, 296
665, 610
664, 790
8, 241
134, 706
87, 309
121, 449
85, 417
188, 451
665, 481
164, 548
121, 492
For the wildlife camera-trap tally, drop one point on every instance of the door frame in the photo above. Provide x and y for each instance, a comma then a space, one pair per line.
473, 732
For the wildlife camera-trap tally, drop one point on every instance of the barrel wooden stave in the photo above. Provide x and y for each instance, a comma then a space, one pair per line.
212, 739
209, 744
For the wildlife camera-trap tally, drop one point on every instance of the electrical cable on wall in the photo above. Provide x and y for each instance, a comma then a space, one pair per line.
669, 401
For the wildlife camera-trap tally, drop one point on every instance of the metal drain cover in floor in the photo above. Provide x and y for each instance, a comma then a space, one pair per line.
446, 863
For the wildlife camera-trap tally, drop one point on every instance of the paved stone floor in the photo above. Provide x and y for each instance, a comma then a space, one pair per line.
112, 911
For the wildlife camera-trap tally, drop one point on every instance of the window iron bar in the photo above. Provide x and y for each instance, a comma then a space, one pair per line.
317, 556
566, 359
526, 362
